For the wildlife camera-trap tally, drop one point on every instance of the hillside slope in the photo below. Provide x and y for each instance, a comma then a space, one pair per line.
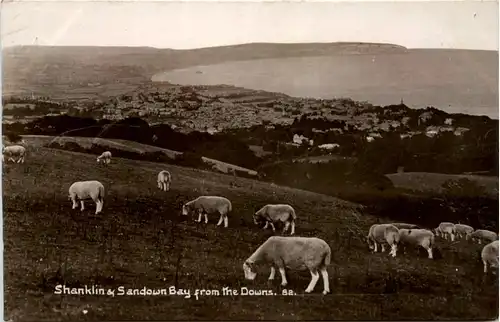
140, 241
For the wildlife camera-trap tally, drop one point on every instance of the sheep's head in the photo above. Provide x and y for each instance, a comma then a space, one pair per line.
370, 246
257, 219
185, 209
98, 160
249, 270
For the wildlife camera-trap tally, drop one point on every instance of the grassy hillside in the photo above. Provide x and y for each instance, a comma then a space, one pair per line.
124, 145
433, 182
140, 241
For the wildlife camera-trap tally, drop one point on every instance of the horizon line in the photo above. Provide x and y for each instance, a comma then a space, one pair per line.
250, 43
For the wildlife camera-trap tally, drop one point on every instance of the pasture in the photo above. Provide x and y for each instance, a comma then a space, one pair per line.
433, 182
140, 240
130, 146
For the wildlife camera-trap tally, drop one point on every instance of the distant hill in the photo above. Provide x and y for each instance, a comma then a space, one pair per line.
379, 73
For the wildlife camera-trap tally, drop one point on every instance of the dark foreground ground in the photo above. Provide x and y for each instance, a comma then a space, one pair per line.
140, 241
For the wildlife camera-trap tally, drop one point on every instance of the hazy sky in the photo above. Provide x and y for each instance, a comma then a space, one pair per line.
180, 25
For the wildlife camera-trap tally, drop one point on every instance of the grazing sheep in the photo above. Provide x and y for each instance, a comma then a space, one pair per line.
164, 179
463, 231
209, 205
383, 233
489, 256
296, 253
276, 213
417, 237
446, 229
400, 225
482, 234
14, 151
82, 190
105, 157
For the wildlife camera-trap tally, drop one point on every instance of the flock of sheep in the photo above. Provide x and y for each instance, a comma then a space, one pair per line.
403, 234
297, 253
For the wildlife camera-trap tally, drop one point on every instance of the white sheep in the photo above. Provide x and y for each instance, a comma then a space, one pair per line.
382, 234
482, 234
105, 157
400, 225
83, 190
276, 213
446, 229
14, 151
164, 180
489, 256
296, 253
204, 205
417, 237
463, 231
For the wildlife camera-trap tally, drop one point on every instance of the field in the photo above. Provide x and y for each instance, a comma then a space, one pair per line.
432, 182
381, 79
140, 240
86, 142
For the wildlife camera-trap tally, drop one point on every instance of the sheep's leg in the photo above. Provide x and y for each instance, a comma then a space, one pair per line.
393, 250
293, 228
283, 276
429, 251
383, 248
267, 224
272, 225
81, 202
314, 280
485, 267
226, 223
273, 272
199, 217
221, 218
452, 237
75, 204
159, 185
206, 218
167, 186
287, 225
326, 283
375, 249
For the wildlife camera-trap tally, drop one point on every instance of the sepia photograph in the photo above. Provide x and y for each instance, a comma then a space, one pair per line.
247, 161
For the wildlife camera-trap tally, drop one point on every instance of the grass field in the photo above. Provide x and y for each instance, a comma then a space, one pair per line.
432, 182
140, 241
125, 145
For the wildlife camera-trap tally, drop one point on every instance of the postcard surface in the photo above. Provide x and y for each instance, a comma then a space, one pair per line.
249, 160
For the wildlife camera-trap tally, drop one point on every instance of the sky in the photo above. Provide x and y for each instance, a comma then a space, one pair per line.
468, 24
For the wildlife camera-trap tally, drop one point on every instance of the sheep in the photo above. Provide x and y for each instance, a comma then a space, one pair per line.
105, 157
296, 253
209, 205
482, 234
276, 213
489, 256
383, 233
463, 231
164, 179
13, 151
446, 229
82, 190
417, 237
400, 225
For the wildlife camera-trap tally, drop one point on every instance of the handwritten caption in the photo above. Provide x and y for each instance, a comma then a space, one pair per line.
170, 291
